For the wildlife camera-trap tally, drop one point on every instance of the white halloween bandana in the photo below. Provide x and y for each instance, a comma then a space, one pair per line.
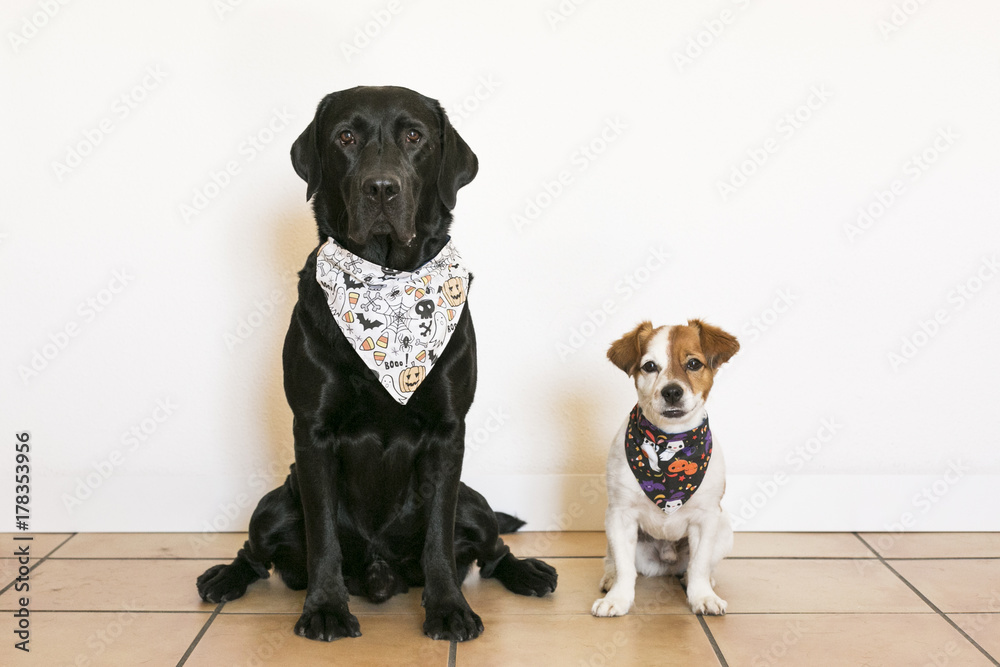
398, 322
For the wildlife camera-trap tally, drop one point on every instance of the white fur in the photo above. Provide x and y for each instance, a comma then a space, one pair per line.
701, 519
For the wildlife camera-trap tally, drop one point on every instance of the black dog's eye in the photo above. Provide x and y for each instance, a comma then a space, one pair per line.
412, 136
694, 364
346, 137
650, 367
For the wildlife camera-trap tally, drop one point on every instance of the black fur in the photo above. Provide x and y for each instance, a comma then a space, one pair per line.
373, 504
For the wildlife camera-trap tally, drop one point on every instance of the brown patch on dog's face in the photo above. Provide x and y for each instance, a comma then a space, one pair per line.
626, 352
410, 378
673, 367
454, 291
687, 361
696, 353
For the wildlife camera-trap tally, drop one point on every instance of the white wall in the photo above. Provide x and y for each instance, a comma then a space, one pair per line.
120, 315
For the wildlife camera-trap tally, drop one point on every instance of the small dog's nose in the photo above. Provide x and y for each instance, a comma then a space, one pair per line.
382, 188
672, 393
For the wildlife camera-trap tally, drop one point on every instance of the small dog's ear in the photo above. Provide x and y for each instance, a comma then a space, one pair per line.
459, 164
307, 156
626, 352
717, 345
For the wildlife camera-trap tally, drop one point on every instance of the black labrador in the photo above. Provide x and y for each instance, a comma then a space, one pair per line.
373, 503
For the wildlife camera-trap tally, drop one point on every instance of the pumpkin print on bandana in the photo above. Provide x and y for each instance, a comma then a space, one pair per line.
669, 467
398, 322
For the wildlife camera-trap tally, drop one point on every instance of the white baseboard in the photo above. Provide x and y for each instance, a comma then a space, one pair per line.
958, 501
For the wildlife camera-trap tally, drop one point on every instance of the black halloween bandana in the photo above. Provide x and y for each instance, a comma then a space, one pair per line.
669, 467
398, 322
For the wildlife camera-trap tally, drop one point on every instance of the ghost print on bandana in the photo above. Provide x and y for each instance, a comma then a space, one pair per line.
669, 467
398, 322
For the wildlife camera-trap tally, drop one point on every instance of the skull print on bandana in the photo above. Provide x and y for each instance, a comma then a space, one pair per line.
669, 467
398, 322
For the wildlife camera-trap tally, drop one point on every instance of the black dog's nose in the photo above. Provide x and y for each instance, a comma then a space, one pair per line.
672, 393
382, 188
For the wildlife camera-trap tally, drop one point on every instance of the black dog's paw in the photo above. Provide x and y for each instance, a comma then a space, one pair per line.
223, 583
327, 623
452, 622
528, 576
382, 582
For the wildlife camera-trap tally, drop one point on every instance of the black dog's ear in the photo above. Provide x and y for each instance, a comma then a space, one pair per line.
306, 155
459, 164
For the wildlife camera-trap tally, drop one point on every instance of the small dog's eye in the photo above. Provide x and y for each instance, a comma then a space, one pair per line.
346, 137
694, 364
649, 367
413, 136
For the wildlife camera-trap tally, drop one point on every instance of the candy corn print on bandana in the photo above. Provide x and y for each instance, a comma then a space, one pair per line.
668, 466
398, 322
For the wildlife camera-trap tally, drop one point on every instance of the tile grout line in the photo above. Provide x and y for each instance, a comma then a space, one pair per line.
928, 602
37, 563
711, 640
201, 633
453, 654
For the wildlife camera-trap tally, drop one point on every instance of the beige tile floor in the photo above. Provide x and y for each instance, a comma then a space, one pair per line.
794, 599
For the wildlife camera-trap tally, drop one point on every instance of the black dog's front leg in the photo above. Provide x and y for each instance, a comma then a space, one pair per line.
448, 613
325, 615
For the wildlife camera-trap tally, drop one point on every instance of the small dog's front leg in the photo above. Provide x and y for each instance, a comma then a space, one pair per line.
325, 614
623, 533
703, 539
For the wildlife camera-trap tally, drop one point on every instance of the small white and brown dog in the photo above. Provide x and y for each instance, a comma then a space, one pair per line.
664, 515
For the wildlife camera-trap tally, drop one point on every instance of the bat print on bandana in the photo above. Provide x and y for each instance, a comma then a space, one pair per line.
688, 453
407, 317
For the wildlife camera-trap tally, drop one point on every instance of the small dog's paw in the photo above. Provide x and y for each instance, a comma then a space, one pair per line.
452, 622
328, 623
708, 605
607, 581
611, 606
